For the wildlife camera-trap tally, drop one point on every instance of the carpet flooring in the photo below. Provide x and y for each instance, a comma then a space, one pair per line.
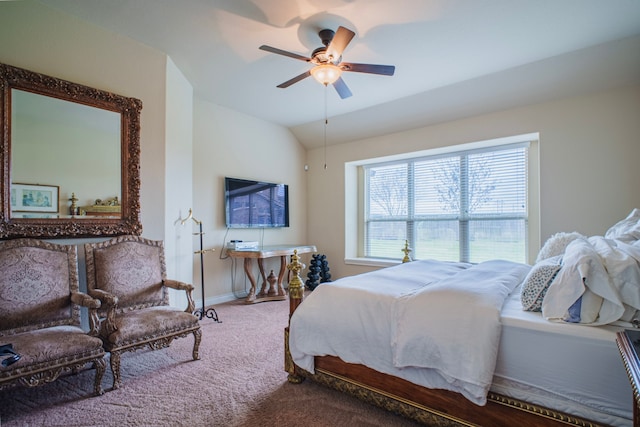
238, 382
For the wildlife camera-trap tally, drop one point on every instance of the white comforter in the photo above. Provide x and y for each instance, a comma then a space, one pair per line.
599, 283
432, 323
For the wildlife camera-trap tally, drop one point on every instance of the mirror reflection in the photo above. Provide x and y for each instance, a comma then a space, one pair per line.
69, 158
64, 149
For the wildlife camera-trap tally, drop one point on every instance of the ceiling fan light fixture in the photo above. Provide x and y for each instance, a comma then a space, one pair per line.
326, 73
327, 62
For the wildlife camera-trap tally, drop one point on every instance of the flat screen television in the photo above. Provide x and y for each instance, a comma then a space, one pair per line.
255, 204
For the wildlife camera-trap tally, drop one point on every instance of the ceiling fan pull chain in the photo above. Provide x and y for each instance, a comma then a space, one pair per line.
326, 122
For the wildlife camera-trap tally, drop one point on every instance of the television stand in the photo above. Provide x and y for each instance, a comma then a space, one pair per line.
271, 288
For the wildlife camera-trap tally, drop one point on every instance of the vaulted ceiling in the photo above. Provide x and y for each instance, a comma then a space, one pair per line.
453, 58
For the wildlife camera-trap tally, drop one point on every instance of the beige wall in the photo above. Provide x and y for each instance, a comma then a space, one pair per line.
589, 150
228, 143
177, 195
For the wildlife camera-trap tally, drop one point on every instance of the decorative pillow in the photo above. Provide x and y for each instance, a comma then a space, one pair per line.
556, 244
626, 230
538, 281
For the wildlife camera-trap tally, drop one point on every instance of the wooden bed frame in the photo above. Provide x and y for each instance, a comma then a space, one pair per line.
432, 407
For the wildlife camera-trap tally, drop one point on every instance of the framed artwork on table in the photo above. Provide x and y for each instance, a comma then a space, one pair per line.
34, 198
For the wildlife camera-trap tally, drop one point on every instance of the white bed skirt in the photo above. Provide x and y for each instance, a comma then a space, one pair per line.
578, 368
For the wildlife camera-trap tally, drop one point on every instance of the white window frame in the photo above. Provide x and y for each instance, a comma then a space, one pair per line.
354, 199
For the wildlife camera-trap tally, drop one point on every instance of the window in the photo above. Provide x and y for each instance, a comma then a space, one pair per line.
468, 205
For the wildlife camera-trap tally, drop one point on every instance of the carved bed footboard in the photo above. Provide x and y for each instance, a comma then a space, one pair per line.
430, 407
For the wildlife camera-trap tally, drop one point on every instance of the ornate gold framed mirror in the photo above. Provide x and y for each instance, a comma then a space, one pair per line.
69, 158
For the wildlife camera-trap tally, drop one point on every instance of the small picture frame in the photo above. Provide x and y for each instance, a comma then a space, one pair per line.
34, 198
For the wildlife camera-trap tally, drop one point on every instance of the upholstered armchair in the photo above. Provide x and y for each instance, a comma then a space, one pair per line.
128, 274
41, 335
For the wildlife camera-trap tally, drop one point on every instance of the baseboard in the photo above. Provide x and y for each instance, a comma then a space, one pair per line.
219, 299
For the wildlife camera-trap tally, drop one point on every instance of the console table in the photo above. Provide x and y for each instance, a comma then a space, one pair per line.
629, 345
275, 292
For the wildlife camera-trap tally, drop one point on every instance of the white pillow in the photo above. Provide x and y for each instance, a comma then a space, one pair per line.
556, 244
626, 230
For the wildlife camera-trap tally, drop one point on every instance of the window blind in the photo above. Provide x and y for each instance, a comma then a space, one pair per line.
469, 205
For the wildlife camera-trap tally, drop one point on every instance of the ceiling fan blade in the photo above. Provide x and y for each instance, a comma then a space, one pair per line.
342, 88
284, 52
385, 70
296, 79
340, 41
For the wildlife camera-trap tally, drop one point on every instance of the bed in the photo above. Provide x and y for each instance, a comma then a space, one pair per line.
510, 341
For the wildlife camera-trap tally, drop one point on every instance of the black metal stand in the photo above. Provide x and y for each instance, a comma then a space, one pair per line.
203, 311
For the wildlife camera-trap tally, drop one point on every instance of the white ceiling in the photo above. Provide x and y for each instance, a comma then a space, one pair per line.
453, 58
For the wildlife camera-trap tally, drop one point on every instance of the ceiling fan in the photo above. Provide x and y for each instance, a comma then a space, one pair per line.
327, 61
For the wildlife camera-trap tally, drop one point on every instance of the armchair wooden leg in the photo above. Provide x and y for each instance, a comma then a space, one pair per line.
115, 369
100, 365
197, 337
